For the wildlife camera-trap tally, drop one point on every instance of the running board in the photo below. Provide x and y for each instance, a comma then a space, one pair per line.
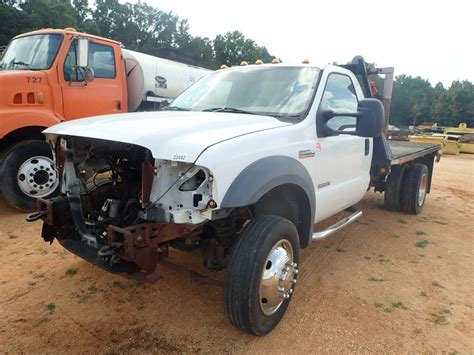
356, 213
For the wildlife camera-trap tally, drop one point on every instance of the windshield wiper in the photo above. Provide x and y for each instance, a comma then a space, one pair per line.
21, 63
228, 109
176, 108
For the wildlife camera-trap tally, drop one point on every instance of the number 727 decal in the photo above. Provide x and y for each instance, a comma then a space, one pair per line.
33, 79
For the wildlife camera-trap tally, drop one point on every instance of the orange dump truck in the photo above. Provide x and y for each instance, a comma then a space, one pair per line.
50, 76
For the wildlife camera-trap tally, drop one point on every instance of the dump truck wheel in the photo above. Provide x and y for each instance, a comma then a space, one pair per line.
414, 189
261, 274
393, 188
28, 172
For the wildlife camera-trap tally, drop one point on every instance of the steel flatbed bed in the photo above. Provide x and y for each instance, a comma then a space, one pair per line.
403, 151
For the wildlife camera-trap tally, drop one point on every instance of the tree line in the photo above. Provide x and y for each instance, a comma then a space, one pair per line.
147, 29
138, 26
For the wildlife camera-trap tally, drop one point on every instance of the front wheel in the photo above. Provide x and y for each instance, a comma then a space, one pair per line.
261, 274
28, 172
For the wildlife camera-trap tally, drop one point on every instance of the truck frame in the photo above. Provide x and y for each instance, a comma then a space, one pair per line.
243, 166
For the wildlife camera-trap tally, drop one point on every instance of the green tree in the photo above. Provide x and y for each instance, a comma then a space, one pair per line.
13, 21
461, 102
49, 13
233, 47
412, 101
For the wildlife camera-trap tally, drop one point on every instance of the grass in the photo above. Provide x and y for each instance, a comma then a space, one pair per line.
422, 244
71, 271
81, 297
51, 307
402, 221
423, 294
118, 284
92, 289
383, 307
441, 222
389, 309
417, 331
436, 284
399, 304
137, 283
340, 250
367, 257
421, 233
440, 318
40, 275
376, 279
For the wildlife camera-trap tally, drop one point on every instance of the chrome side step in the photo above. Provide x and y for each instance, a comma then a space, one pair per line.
356, 213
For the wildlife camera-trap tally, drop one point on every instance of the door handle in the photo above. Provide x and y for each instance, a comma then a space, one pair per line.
367, 146
119, 105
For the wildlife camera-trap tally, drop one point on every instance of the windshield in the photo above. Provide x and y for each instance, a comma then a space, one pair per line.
35, 52
274, 91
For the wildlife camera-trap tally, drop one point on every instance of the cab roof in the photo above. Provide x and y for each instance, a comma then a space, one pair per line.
270, 65
68, 30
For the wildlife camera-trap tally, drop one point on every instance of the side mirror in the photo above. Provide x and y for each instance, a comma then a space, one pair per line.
370, 120
82, 52
88, 74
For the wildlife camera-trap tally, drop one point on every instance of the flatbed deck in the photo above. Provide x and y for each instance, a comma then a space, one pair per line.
403, 151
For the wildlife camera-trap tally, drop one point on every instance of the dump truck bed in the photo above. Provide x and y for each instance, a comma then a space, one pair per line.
403, 151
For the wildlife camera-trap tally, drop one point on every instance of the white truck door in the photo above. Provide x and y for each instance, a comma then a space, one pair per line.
342, 161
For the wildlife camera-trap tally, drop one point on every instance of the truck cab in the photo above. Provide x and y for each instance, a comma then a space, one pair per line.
40, 86
51, 76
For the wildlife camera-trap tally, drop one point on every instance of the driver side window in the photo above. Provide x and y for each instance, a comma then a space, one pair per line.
339, 96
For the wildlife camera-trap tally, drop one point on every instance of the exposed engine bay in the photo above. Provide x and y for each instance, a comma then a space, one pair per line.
121, 209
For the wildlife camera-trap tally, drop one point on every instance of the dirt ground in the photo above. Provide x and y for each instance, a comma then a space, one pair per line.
389, 283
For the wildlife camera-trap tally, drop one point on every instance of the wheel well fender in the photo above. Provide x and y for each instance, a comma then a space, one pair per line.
21, 134
277, 185
13, 121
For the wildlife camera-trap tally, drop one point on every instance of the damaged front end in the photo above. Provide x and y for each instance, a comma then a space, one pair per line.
120, 208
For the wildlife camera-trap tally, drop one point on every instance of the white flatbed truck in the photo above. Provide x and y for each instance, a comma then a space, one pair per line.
243, 165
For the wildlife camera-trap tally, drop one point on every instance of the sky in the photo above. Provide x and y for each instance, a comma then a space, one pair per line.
431, 39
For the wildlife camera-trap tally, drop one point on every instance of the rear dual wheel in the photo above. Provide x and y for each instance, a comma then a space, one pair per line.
406, 188
414, 189
261, 275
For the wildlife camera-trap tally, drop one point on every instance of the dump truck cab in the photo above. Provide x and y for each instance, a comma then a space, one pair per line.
51, 76
39, 73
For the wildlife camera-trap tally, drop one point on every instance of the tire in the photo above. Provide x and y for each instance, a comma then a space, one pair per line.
393, 188
28, 172
250, 304
415, 183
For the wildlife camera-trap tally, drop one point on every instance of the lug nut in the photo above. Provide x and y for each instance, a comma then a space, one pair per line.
294, 281
290, 291
280, 289
294, 265
287, 295
295, 271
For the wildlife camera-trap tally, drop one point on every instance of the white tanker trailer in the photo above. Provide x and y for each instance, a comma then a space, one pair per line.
152, 80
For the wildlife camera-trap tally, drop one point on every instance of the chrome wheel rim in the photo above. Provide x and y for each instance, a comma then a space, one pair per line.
278, 277
422, 191
37, 176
